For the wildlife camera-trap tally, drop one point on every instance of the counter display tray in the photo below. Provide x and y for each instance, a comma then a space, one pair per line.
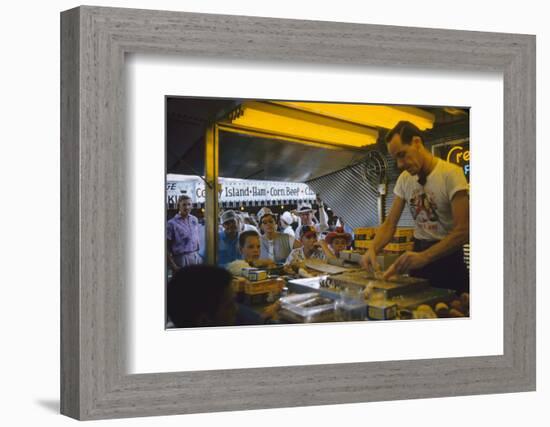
408, 300
309, 284
391, 287
325, 267
310, 307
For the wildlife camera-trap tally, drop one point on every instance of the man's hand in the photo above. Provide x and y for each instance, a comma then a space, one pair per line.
368, 261
407, 261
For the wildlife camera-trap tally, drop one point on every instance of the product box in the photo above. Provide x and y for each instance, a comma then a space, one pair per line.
399, 247
364, 233
238, 284
382, 312
274, 286
363, 237
401, 241
362, 244
257, 275
253, 274
406, 232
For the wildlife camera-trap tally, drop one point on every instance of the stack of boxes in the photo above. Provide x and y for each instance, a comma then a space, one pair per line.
402, 239
255, 287
364, 237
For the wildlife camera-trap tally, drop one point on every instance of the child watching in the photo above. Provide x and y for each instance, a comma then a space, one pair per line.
338, 240
311, 249
249, 246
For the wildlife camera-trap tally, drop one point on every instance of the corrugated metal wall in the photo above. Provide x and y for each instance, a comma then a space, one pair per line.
349, 195
352, 194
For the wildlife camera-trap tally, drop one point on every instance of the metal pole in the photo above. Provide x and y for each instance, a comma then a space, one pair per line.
211, 196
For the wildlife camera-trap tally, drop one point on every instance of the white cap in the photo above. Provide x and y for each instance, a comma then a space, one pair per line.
287, 217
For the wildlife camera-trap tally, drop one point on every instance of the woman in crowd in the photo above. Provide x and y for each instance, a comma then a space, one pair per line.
273, 244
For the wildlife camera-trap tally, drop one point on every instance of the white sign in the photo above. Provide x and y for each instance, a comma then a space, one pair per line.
234, 190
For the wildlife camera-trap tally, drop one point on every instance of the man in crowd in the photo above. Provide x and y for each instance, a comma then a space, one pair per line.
437, 194
307, 217
228, 238
182, 234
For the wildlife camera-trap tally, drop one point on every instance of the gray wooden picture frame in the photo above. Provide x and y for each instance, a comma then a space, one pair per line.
94, 41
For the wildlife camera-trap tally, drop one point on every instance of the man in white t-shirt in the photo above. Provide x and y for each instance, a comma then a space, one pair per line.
437, 194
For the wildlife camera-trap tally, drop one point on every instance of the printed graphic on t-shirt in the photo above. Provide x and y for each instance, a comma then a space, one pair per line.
424, 210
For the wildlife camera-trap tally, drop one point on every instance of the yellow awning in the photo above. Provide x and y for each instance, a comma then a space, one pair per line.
327, 124
384, 116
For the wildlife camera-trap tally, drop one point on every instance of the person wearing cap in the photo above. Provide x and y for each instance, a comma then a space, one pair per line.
338, 221
286, 221
249, 219
182, 237
228, 238
311, 249
306, 217
275, 246
338, 240
246, 223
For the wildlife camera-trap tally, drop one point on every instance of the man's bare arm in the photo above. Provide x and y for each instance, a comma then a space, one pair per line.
383, 235
385, 232
459, 235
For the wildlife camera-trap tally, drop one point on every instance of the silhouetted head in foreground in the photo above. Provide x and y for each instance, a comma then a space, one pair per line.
200, 296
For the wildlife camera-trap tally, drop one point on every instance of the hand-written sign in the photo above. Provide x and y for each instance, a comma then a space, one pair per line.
457, 152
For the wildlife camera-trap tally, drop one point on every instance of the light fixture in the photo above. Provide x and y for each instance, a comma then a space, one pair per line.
379, 116
287, 121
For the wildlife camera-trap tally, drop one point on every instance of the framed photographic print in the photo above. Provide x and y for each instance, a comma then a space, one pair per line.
290, 190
